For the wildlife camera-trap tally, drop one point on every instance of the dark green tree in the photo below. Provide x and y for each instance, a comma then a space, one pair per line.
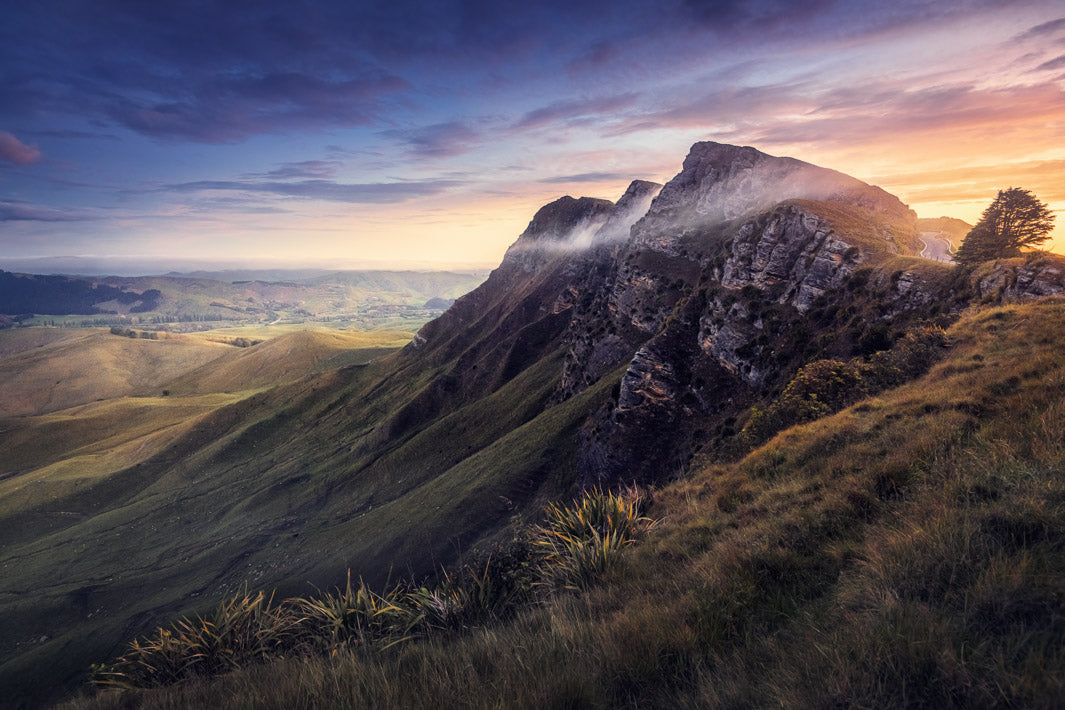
1015, 220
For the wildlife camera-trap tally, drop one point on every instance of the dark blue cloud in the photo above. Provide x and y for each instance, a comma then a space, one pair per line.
221, 72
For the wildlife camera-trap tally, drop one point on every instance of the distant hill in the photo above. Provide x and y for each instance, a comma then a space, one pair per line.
365, 298
950, 227
62, 295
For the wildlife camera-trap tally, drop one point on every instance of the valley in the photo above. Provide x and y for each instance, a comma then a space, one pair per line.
202, 300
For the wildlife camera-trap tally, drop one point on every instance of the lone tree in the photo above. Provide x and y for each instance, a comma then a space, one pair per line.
1015, 220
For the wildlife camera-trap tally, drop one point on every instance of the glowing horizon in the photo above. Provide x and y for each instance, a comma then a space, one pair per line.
356, 134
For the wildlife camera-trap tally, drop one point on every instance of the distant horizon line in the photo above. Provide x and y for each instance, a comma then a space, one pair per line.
161, 266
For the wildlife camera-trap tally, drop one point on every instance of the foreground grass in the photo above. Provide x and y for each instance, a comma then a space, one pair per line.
907, 551
572, 549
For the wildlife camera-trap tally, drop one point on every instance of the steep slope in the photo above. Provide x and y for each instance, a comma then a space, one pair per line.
583, 358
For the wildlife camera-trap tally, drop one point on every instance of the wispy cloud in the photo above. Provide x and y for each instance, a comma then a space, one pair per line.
571, 109
439, 140
316, 169
370, 193
16, 152
1052, 65
1044, 29
26, 212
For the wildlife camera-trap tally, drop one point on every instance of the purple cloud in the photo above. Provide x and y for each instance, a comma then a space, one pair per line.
1042, 30
16, 152
1053, 64
439, 140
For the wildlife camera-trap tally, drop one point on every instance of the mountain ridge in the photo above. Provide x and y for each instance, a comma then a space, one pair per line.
582, 359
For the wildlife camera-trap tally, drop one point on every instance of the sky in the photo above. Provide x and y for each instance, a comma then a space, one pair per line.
350, 133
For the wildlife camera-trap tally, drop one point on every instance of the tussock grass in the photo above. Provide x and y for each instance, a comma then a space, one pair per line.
569, 553
579, 544
907, 551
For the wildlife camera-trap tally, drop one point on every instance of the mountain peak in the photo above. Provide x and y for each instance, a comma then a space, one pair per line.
556, 220
720, 182
629, 209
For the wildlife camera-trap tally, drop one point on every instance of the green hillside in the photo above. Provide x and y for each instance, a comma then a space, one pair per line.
104, 537
907, 551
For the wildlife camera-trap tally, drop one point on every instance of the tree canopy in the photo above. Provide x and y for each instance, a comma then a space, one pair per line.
1015, 220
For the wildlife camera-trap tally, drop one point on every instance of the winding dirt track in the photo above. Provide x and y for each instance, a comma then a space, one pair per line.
935, 247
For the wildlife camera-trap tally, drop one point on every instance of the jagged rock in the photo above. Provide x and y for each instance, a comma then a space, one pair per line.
795, 247
705, 304
630, 208
1042, 275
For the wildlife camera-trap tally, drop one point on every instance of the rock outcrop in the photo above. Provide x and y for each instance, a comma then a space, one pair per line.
707, 293
1032, 277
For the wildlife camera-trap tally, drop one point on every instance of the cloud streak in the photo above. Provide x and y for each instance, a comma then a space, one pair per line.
366, 193
26, 212
440, 140
582, 177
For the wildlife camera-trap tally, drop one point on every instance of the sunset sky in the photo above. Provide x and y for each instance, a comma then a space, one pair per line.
375, 133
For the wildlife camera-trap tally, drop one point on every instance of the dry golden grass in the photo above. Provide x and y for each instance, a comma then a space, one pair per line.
82, 366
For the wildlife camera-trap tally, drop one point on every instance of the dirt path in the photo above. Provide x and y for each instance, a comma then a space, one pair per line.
935, 247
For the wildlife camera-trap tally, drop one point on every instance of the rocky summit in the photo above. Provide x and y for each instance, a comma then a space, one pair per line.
737, 271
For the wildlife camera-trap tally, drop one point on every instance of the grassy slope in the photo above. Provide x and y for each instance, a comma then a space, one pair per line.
284, 358
908, 551
68, 368
64, 472
215, 507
